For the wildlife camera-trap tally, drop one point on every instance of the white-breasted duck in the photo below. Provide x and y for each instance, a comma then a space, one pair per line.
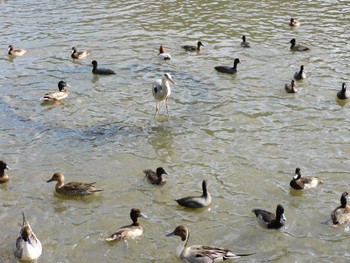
196, 201
294, 23
341, 215
228, 69
300, 74
161, 91
291, 88
192, 47
156, 177
343, 94
62, 92
16, 52
75, 54
271, 220
244, 42
4, 177
101, 71
162, 54
304, 182
296, 47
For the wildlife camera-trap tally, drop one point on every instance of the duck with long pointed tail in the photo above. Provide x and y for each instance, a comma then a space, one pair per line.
161, 91
201, 253
196, 201
28, 247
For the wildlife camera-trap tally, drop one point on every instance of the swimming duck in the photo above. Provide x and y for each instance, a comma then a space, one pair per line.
28, 246
62, 93
305, 182
290, 88
196, 201
3, 176
341, 214
72, 188
193, 48
130, 231
78, 55
101, 71
300, 74
162, 55
270, 220
156, 177
161, 91
16, 52
294, 23
201, 253
244, 43
297, 47
343, 93
228, 69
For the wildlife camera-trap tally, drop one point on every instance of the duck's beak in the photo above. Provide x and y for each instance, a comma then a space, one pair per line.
166, 172
170, 234
7, 167
283, 217
48, 181
143, 215
68, 85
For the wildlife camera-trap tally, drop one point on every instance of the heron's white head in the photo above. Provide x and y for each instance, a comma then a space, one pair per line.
169, 78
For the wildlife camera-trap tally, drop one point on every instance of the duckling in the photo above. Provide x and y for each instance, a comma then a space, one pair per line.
101, 71
162, 55
300, 74
130, 231
295, 47
193, 48
341, 214
3, 176
294, 23
228, 69
201, 253
61, 94
156, 177
270, 220
196, 201
28, 247
305, 182
72, 188
343, 94
78, 55
16, 52
290, 88
244, 42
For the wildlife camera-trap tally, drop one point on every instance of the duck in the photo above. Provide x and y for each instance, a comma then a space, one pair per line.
79, 55
294, 23
271, 220
306, 182
244, 42
16, 52
300, 74
343, 94
341, 215
228, 69
101, 71
156, 177
28, 247
61, 94
161, 91
4, 177
129, 231
196, 201
193, 48
72, 188
162, 54
201, 253
290, 88
295, 47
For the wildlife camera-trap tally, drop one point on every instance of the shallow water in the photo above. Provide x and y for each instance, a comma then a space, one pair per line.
242, 133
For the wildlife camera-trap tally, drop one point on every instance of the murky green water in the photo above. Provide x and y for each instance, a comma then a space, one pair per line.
242, 133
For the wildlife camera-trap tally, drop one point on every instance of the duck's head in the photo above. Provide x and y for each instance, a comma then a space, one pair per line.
169, 78
74, 50
160, 171
343, 87
297, 170
26, 233
94, 63
280, 213
4, 166
181, 231
10, 47
292, 41
200, 44
236, 61
62, 85
136, 213
58, 177
343, 200
161, 49
243, 38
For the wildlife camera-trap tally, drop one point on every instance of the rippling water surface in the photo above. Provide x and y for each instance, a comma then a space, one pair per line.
242, 133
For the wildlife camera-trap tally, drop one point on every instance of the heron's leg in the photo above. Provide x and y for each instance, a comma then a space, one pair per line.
157, 109
166, 105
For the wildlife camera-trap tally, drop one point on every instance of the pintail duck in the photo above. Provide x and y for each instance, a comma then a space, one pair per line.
290, 88
300, 74
343, 94
228, 69
193, 48
295, 47
162, 55
341, 215
306, 182
196, 201
61, 94
101, 71
161, 91
294, 23
3, 176
16, 52
244, 42
130, 231
201, 253
78, 55
156, 177
72, 188
270, 220
28, 246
